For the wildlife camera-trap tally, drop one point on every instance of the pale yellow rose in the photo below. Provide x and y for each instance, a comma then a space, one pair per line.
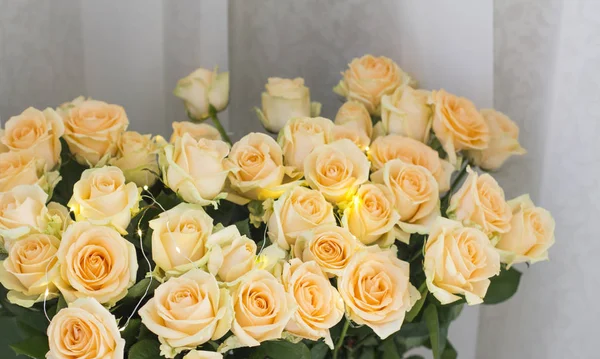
60, 218
29, 269
37, 132
387, 148
330, 246
231, 255
21, 167
504, 141
85, 329
22, 211
196, 130
137, 157
257, 170
201, 89
296, 211
300, 136
369, 78
459, 261
376, 289
407, 112
179, 237
353, 132
320, 306
196, 169
262, 309
415, 193
371, 215
480, 203
531, 233
272, 259
378, 131
202, 354
188, 311
285, 99
95, 261
92, 129
457, 124
102, 197
336, 170
355, 112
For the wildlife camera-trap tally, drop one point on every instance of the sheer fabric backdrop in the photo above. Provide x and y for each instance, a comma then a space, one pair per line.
536, 61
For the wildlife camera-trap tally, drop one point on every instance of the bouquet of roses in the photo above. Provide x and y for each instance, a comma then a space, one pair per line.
360, 237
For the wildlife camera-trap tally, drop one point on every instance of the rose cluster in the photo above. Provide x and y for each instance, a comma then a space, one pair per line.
335, 205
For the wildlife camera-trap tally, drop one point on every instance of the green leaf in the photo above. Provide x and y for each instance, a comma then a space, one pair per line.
415, 357
281, 349
62, 303
27, 330
369, 353
34, 347
137, 290
449, 352
389, 349
244, 227
319, 350
145, 349
131, 331
502, 286
435, 336
412, 314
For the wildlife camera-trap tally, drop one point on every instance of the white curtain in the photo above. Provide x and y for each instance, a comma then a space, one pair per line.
538, 61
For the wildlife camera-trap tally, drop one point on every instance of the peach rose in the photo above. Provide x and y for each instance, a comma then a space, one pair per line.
179, 237
353, 132
336, 170
92, 129
371, 215
296, 211
102, 197
95, 261
369, 78
137, 157
504, 141
202, 354
406, 112
231, 255
416, 196
480, 202
22, 211
377, 292
37, 132
300, 136
320, 306
201, 89
458, 124
531, 233
187, 312
196, 170
355, 112
29, 269
387, 148
196, 130
459, 261
20, 167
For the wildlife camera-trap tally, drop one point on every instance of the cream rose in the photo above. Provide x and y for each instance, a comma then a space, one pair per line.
406, 112
95, 261
20, 167
202, 354
37, 132
353, 132
22, 211
531, 233
369, 78
387, 148
102, 197
371, 215
196, 170
376, 289
336, 170
257, 170
231, 255
188, 311
356, 113
201, 89
459, 261
262, 309
85, 329
480, 203
29, 269
59, 217
92, 129
282, 100
137, 157
330, 246
504, 141
458, 124
179, 237
196, 130
296, 211
416, 196
300, 136
320, 306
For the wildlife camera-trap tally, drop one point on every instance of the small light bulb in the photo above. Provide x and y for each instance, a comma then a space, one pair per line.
122, 329
46, 293
367, 149
178, 250
145, 187
72, 209
139, 232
